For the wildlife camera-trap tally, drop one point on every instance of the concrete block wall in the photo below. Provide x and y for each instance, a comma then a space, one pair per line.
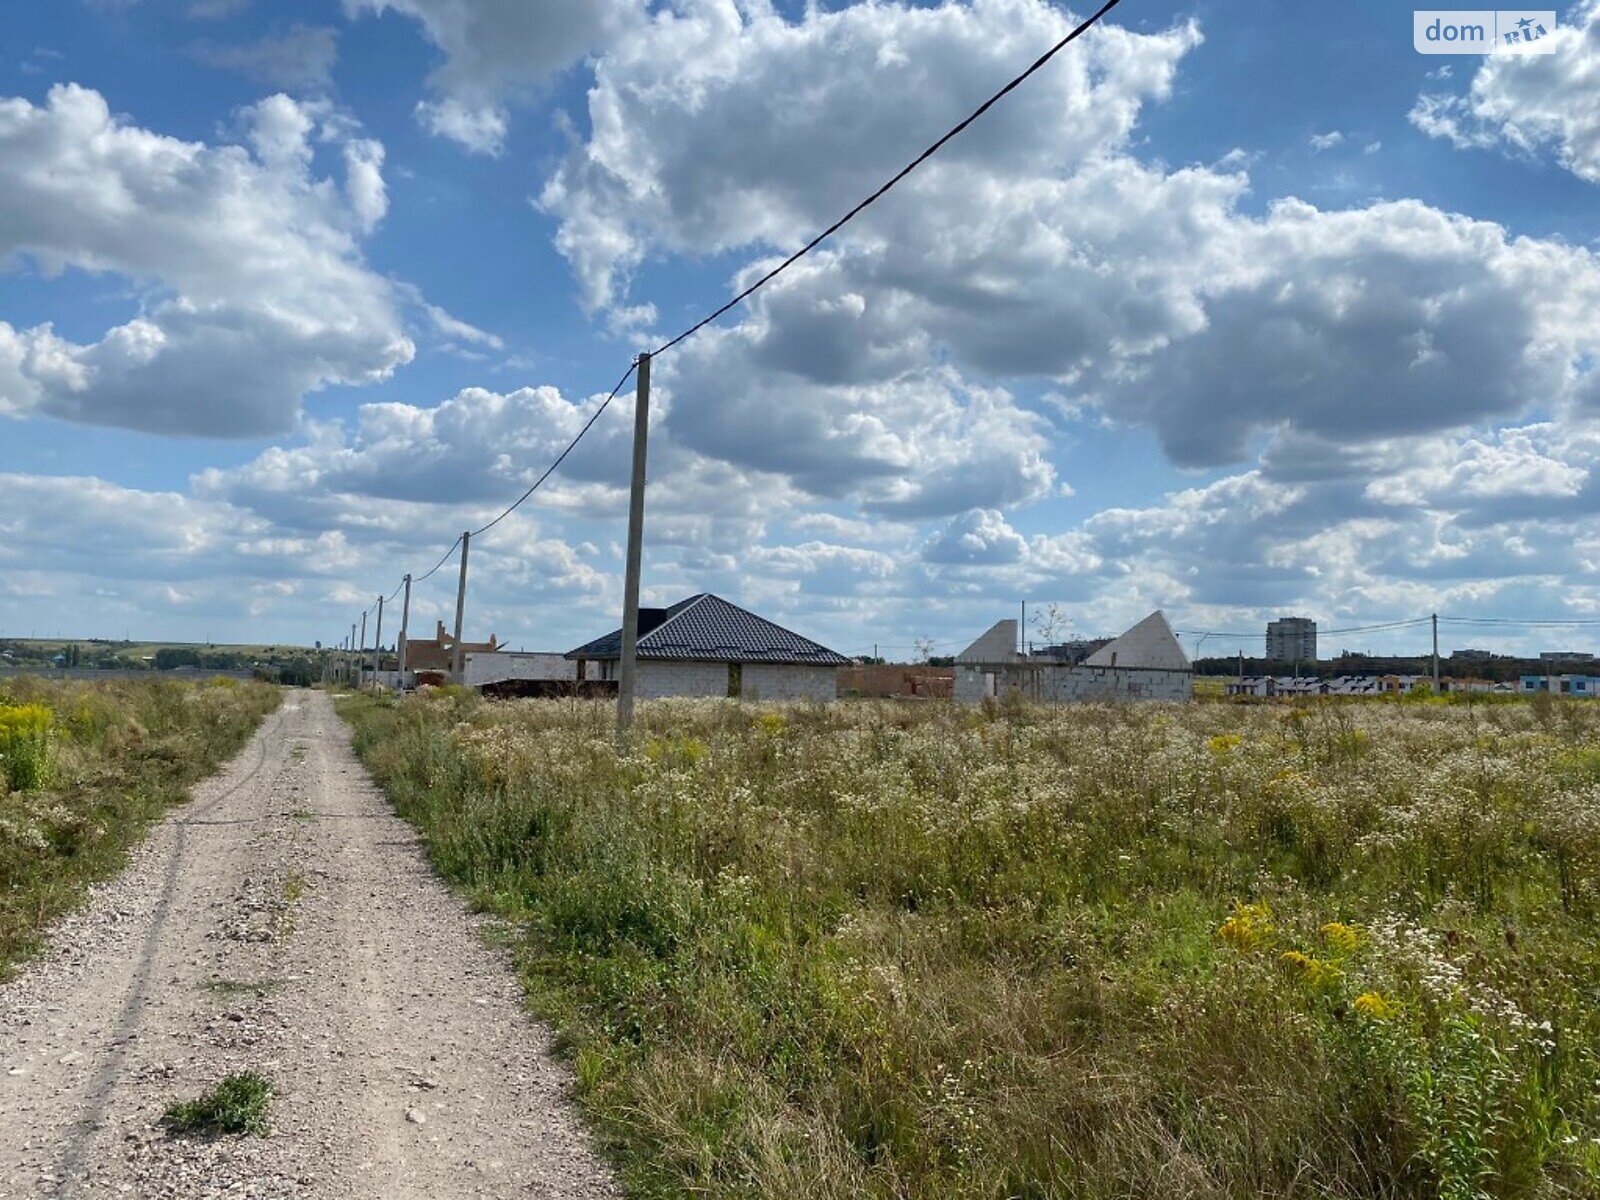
659, 678
1114, 683
777, 681
760, 681
973, 685
1066, 685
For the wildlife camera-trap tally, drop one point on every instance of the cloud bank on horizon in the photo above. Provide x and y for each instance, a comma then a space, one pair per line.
1068, 360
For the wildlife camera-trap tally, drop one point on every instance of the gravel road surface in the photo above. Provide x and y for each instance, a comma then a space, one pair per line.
286, 922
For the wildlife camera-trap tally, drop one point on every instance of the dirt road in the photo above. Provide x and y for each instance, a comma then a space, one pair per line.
285, 922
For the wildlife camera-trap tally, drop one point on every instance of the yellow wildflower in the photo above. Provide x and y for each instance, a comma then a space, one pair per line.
1376, 1006
1315, 973
1248, 927
1343, 938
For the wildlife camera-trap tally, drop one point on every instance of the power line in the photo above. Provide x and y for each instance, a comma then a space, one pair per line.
885, 188
1518, 623
448, 555
1385, 626
572, 445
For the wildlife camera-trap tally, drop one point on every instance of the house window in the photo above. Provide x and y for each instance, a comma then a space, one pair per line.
735, 680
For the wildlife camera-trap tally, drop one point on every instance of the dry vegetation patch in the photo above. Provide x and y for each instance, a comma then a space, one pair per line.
1215, 950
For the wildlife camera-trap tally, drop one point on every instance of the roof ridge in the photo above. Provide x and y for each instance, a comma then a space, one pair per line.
689, 605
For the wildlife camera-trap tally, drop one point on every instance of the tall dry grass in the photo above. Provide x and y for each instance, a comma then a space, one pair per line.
1335, 949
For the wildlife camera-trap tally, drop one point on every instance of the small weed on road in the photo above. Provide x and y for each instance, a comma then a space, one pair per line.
241, 987
236, 1105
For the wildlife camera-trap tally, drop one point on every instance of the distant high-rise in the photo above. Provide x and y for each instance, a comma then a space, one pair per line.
1292, 639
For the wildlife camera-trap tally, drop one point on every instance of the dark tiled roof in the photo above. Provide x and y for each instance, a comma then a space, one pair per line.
707, 627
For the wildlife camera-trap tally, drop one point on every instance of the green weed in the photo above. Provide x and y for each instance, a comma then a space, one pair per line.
236, 1105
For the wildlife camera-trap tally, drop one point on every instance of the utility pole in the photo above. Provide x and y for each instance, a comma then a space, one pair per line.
405, 631
377, 648
1435, 654
349, 675
458, 661
361, 655
627, 668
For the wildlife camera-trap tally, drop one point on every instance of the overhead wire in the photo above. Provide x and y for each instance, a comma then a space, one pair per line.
883, 190
1384, 626
448, 555
1518, 623
572, 445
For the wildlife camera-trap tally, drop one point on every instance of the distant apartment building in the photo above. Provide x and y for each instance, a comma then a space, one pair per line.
1566, 656
1292, 639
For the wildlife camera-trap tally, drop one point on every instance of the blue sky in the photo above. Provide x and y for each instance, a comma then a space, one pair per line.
1234, 310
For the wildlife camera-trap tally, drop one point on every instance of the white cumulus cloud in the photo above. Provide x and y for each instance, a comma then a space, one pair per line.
253, 289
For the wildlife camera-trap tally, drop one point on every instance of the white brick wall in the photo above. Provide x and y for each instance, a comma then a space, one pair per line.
495, 668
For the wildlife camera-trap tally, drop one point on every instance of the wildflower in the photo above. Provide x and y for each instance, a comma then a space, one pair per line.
1343, 938
1376, 1006
1316, 973
1224, 744
1248, 927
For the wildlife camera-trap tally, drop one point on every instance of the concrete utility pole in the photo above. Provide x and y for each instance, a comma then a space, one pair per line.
405, 632
1435, 654
349, 658
377, 647
458, 660
627, 669
361, 655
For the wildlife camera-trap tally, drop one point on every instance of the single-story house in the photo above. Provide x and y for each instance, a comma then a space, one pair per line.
1587, 686
705, 646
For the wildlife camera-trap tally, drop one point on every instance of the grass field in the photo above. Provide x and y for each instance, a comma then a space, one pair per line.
85, 768
1217, 950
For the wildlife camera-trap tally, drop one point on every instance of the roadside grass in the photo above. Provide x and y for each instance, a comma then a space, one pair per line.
236, 1105
1325, 949
112, 757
